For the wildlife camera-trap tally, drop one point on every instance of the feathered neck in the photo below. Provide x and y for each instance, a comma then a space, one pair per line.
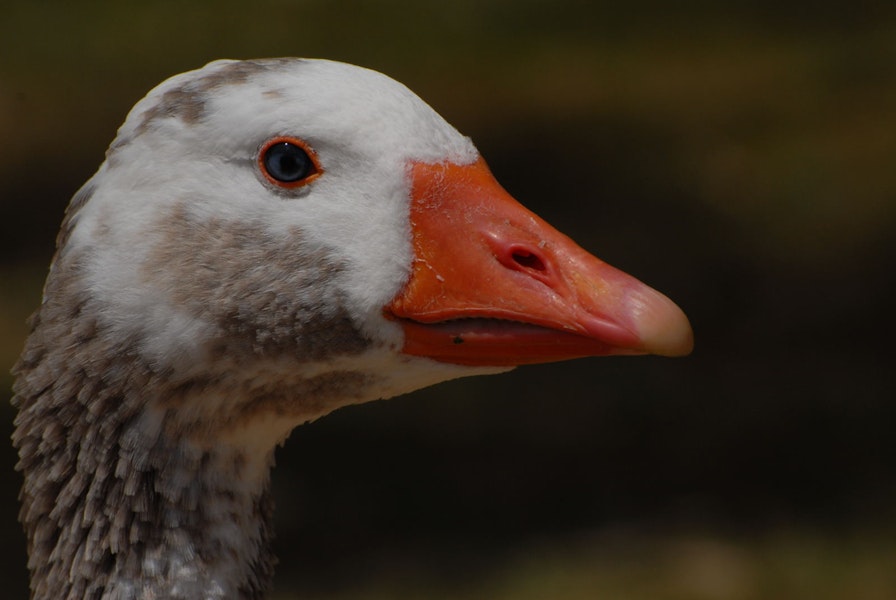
139, 483
119, 500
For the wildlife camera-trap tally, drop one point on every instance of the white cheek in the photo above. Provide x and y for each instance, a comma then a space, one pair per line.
361, 218
114, 235
136, 310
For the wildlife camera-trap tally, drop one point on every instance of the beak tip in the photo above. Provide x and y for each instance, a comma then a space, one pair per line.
664, 329
674, 342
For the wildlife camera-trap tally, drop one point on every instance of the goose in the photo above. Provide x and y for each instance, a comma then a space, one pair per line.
265, 242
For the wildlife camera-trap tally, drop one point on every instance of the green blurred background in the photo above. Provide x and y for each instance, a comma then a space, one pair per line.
739, 156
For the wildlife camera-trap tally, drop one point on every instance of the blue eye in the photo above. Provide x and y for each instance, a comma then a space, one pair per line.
288, 162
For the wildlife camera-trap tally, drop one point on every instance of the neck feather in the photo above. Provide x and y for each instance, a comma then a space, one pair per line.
138, 484
120, 502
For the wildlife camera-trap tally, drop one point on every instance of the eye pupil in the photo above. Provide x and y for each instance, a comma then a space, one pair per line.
287, 162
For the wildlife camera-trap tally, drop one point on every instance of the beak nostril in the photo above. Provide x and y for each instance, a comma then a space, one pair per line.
529, 257
528, 260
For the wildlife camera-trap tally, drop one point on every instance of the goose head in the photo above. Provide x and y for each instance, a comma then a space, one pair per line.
265, 242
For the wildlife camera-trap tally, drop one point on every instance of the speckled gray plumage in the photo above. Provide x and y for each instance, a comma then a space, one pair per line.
103, 492
227, 272
99, 486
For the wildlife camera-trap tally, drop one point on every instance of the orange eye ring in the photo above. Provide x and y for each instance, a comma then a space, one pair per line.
288, 162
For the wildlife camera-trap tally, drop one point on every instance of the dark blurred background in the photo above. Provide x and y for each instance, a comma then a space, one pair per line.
739, 156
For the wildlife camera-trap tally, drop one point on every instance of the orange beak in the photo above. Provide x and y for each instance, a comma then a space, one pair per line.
492, 284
